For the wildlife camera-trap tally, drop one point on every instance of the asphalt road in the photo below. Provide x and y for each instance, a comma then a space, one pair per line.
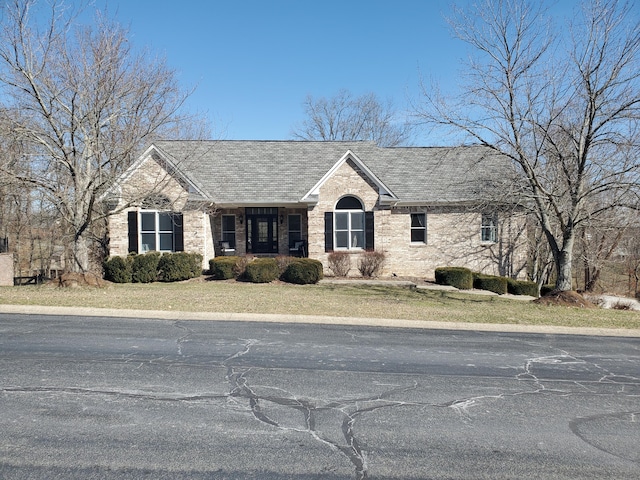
85, 398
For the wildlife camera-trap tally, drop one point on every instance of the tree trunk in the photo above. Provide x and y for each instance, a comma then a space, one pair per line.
564, 270
80, 260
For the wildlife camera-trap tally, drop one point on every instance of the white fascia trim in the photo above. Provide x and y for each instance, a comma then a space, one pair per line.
382, 188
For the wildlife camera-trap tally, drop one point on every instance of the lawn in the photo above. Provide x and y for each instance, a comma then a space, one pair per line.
323, 299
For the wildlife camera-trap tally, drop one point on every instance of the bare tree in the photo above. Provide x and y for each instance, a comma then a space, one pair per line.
344, 117
84, 102
562, 104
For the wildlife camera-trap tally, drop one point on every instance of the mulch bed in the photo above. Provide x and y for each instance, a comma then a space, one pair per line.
566, 299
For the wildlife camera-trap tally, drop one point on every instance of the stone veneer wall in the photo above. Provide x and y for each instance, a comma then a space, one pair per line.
453, 234
6, 269
150, 179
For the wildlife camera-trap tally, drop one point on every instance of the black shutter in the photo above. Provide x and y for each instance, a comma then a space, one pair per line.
178, 232
132, 221
368, 231
328, 231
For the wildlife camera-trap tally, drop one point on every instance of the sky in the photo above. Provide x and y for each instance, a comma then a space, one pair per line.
253, 62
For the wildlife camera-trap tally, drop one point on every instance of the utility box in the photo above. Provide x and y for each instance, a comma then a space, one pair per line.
6, 269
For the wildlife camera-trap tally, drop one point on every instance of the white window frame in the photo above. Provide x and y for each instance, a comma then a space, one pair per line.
489, 228
421, 228
352, 232
156, 232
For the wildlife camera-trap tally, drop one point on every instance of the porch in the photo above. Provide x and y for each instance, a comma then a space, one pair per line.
260, 231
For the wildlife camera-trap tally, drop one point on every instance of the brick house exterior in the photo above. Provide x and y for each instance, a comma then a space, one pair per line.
422, 207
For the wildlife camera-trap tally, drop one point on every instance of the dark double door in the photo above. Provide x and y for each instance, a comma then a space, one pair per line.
262, 232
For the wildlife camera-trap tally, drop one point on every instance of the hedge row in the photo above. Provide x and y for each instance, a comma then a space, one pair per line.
490, 283
458, 277
465, 279
153, 266
263, 270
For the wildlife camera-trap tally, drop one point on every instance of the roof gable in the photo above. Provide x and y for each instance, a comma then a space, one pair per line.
167, 163
349, 155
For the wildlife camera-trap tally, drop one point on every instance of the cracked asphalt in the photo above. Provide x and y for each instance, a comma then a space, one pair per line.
124, 398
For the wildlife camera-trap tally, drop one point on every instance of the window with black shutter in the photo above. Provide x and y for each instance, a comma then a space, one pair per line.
349, 227
150, 230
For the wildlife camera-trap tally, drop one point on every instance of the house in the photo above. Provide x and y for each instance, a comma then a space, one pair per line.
423, 207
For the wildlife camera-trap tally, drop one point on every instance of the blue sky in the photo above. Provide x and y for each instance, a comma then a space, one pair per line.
253, 62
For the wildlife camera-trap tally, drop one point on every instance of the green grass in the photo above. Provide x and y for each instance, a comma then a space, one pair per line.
324, 299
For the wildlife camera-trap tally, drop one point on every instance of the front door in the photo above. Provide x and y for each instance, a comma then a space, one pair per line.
262, 232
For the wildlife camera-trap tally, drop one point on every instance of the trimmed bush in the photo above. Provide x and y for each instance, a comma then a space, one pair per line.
223, 268
261, 270
144, 268
174, 267
340, 263
303, 271
521, 287
370, 263
458, 277
547, 289
491, 283
117, 270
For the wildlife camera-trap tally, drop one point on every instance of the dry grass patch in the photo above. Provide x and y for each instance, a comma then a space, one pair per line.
324, 299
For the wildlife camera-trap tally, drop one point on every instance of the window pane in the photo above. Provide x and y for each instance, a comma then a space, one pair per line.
230, 238
357, 221
357, 240
294, 237
228, 222
294, 223
342, 239
166, 222
166, 241
148, 242
489, 227
417, 235
148, 222
488, 234
417, 219
342, 221
349, 203
263, 231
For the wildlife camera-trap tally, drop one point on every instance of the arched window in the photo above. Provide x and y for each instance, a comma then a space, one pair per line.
349, 228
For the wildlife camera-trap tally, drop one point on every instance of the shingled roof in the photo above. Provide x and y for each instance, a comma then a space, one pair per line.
283, 172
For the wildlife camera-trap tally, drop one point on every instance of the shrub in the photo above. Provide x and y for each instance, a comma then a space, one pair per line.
117, 270
547, 289
144, 268
223, 268
521, 287
458, 277
174, 267
370, 263
491, 283
262, 270
340, 263
303, 271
